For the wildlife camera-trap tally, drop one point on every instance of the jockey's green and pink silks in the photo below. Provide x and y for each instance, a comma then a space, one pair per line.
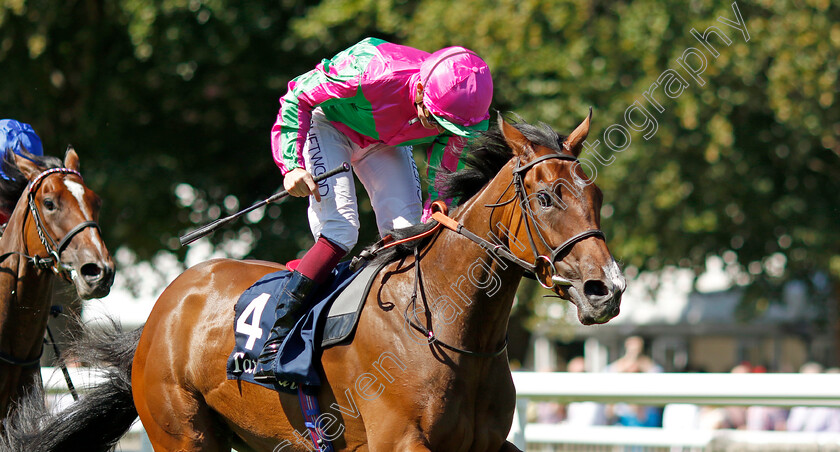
367, 92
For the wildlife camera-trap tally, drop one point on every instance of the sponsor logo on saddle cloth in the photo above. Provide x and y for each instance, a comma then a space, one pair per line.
300, 351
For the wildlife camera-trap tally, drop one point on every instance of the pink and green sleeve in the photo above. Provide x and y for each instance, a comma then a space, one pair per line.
332, 81
447, 153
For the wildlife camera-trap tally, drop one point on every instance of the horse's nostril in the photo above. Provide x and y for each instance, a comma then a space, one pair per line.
91, 271
595, 288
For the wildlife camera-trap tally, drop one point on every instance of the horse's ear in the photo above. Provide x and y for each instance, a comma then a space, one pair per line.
29, 169
520, 145
71, 159
574, 142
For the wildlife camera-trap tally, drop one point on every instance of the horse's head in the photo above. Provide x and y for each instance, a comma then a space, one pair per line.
559, 222
61, 222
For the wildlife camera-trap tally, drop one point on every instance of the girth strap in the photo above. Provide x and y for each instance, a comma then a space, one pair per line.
308, 398
9, 359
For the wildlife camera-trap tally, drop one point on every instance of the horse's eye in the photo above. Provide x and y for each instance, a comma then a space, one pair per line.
544, 199
49, 204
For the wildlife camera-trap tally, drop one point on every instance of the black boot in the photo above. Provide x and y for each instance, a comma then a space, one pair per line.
292, 304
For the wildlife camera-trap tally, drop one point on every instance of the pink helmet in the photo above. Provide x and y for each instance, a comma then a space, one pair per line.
457, 90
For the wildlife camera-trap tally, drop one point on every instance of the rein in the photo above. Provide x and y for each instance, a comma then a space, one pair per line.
41, 263
428, 332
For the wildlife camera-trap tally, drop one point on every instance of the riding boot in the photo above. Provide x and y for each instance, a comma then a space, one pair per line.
291, 305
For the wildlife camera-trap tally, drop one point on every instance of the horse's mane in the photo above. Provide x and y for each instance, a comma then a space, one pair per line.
486, 155
12, 187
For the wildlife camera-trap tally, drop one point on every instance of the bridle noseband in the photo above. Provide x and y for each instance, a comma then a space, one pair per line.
54, 249
521, 195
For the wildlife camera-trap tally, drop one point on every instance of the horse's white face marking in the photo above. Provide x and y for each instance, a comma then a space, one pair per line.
78, 192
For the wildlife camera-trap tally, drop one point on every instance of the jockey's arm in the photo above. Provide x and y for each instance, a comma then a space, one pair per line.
445, 153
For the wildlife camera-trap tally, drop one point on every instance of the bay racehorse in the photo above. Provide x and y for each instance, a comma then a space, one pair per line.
52, 232
427, 367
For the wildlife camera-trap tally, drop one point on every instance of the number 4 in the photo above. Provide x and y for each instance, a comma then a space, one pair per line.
254, 310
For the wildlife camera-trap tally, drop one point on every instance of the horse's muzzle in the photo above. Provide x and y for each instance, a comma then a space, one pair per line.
93, 279
600, 309
598, 299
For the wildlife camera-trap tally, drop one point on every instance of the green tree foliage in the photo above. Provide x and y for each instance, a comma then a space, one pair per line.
160, 93
157, 95
744, 165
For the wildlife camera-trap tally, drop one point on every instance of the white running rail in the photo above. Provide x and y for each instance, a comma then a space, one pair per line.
784, 390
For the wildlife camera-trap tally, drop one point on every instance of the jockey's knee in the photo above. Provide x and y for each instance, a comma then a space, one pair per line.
345, 237
396, 213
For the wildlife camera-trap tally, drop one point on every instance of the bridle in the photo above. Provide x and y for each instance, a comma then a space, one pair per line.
524, 207
54, 249
53, 258
499, 250
521, 195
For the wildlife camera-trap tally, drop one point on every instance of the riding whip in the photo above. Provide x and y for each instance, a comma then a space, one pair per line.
190, 237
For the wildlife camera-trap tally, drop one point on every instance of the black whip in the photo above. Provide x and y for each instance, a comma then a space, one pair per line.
190, 237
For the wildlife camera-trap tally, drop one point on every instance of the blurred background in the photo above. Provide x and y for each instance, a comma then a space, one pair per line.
725, 219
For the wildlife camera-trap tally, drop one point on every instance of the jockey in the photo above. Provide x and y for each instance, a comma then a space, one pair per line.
367, 107
16, 136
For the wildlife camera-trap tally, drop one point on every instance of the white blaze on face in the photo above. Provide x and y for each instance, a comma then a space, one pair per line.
78, 192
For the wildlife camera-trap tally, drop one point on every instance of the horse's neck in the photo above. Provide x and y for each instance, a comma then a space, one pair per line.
25, 294
477, 288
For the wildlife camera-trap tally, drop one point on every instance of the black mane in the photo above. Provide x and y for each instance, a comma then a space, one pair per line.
487, 154
13, 185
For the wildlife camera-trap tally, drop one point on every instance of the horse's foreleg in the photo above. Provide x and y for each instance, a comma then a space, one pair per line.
394, 439
509, 447
176, 420
174, 414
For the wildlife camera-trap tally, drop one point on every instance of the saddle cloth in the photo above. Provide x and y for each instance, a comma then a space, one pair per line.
331, 320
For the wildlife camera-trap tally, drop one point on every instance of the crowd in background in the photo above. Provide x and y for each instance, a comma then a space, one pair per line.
687, 416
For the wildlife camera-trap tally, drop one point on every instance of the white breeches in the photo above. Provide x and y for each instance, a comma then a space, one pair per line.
388, 174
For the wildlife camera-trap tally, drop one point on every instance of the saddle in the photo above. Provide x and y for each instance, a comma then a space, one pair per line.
330, 321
